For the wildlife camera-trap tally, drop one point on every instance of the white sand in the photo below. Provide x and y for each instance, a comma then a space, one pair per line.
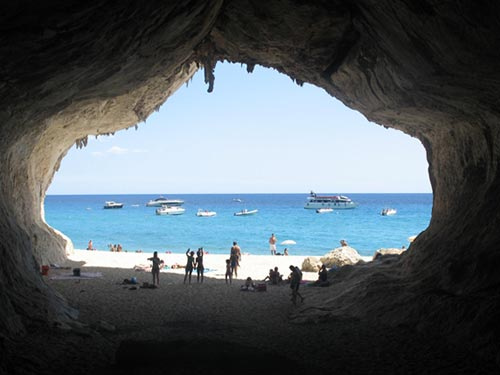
254, 266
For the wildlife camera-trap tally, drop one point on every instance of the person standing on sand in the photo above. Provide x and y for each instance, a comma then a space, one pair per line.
229, 272
235, 257
199, 265
272, 244
155, 269
189, 265
295, 279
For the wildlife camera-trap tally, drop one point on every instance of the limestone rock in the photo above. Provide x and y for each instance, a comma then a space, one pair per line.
341, 256
310, 264
387, 251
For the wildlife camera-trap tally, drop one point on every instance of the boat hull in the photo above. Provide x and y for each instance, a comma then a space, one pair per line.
246, 213
170, 211
334, 205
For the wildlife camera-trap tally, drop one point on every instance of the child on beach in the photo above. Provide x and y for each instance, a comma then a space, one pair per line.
155, 269
229, 272
189, 265
199, 265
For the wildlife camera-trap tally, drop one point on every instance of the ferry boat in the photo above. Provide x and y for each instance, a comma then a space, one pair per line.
111, 204
337, 202
170, 210
161, 201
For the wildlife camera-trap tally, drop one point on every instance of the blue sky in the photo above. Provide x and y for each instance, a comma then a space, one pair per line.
256, 133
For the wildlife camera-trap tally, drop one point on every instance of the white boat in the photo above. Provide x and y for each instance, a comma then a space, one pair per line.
160, 201
245, 212
237, 200
205, 213
112, 204
388, 212
324, 210
338, 202
170, 210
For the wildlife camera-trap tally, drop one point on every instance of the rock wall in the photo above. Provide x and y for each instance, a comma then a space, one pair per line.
431, 69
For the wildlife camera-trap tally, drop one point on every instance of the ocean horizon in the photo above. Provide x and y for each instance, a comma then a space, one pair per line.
137, 227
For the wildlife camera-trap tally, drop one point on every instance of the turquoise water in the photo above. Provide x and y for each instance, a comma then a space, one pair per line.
135, 226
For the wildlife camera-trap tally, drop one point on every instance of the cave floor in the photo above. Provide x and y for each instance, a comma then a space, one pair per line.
216, 328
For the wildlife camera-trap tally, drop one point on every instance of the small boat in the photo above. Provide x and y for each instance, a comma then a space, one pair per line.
324, 210
245, 212
388, 212
170, 210
237, 200
205, 213
338, 202
161, 201
112, 204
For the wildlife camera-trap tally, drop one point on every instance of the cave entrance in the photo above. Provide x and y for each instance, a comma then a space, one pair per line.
256, 133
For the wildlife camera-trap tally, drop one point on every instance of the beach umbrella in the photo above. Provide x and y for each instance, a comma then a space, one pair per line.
289, 242
412, 238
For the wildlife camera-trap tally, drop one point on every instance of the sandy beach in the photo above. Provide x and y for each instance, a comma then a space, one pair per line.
195, 327
254, 266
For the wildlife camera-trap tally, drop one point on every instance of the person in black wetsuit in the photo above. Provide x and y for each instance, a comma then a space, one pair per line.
199, 265
189, 265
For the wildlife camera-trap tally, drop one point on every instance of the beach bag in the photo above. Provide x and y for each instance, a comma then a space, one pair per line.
261, 287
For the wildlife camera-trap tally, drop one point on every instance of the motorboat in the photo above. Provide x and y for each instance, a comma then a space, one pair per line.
205, 213
324, 210
237, 200
388, 212
245, 212
112, 204
338, 202
170, 210
160, 201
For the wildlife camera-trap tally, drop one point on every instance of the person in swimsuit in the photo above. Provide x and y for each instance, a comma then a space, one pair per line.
189, 265
199, 265
229, 272
155, 269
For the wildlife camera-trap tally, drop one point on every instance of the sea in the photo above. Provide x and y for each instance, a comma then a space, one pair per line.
137, 227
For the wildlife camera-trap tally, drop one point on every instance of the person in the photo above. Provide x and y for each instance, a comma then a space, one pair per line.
155, 269
199, 265
277, 278
119, 248
235, 256
90, 246
248, 286
229, 271
189, 265
270, 275
285, 252
295, 279
322, 277
272, 244
343, 243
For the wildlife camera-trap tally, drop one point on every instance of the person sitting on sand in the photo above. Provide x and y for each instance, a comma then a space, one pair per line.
343, 243
155, 269
90, 246
285, 252
322, 277
199, 265
189, 265
270, 275
229, 271
249, 286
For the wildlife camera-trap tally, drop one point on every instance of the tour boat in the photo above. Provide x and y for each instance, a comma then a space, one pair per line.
338, 202
205, 213
111, 204
245, 212
324, 210
170, 210
388, 212
161, 201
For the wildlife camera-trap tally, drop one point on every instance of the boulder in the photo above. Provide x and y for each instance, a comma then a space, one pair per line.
310, 264
340, 257
387, 251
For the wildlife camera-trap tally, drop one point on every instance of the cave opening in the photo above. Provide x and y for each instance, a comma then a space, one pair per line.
255, 133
